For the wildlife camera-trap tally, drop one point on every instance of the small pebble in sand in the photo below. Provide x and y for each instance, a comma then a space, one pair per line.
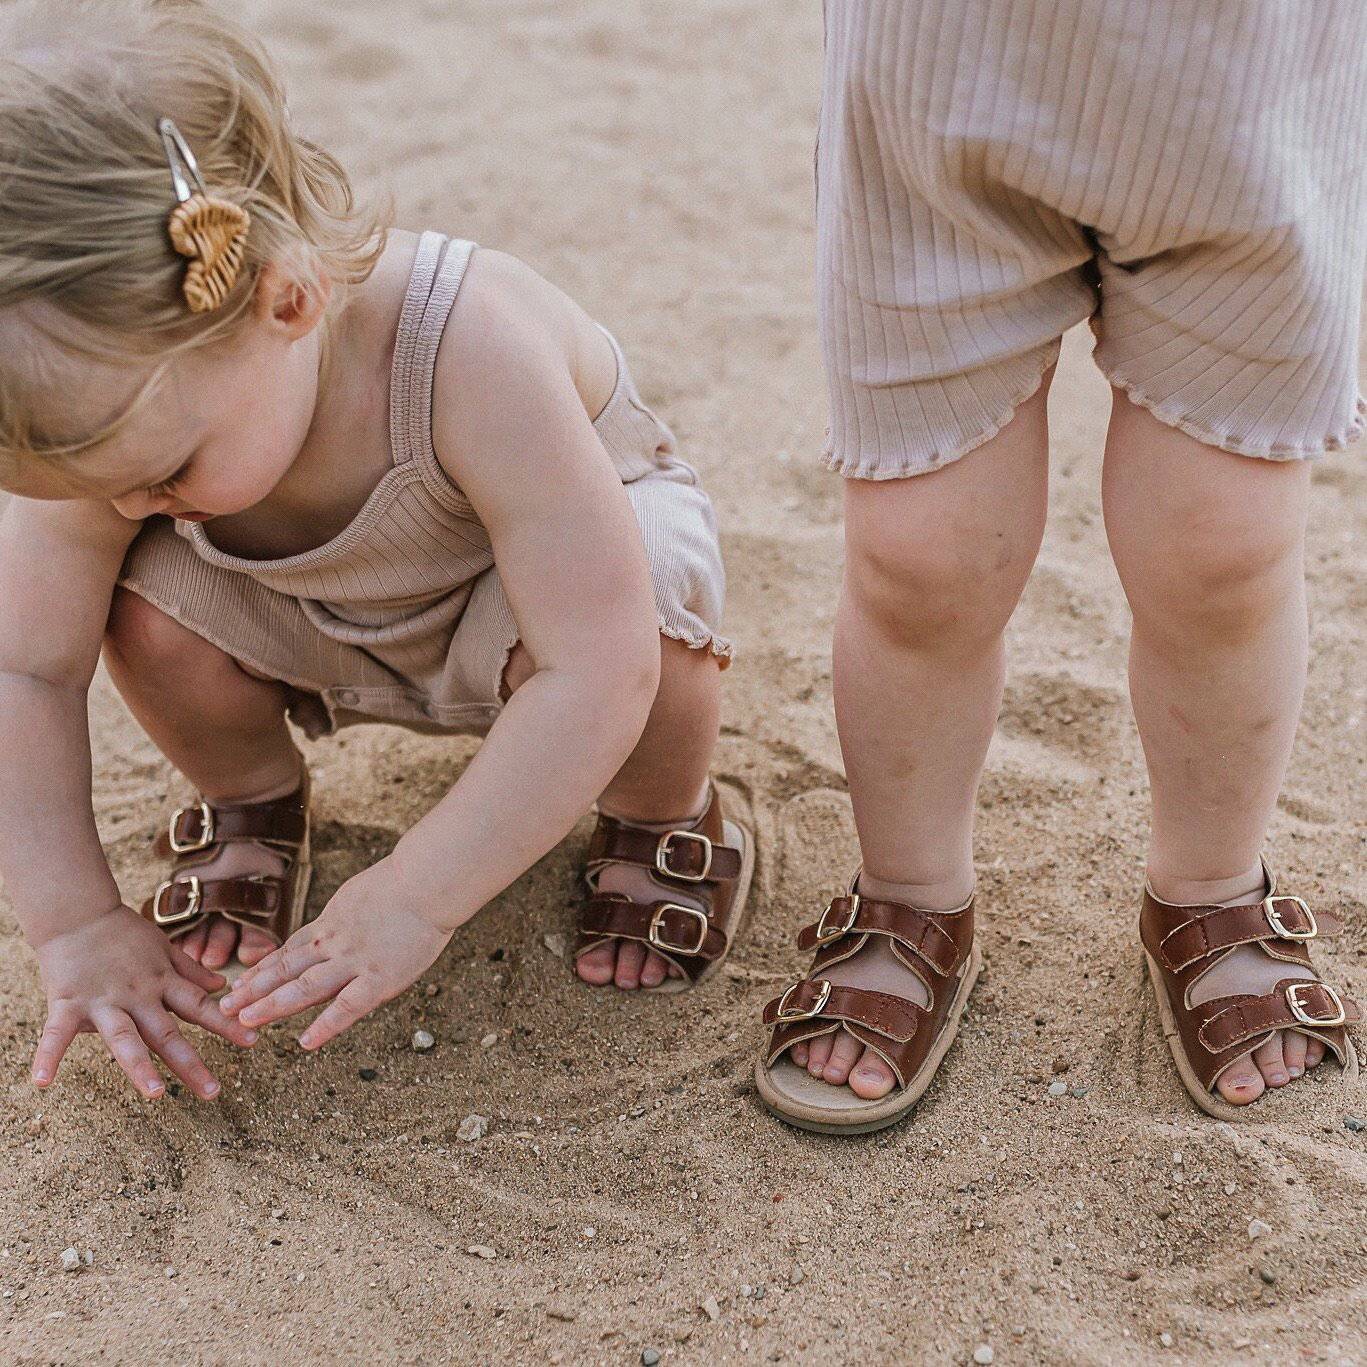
711, 1309
1058, 1089
423, 1040
367, 1074
473, 1127
649, 1357
1165, 1339
557, 946
1231, 1188
277, 1212
71, 1260
795, 1276
1269, 1278
481, 1251
489, 1040
170, 1271
983, 1354
1177, 1157
1354, 1124
590, 1232
1257, 1228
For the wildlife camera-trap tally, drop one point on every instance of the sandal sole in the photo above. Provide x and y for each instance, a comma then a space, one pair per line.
865, 1117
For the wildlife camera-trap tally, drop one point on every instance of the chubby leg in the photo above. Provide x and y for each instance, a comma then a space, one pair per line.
221, 727
935, 565
1210, 549
664, 781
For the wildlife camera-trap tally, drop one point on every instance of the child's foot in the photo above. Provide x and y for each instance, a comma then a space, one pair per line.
1242, 1006
665, 899
865, 1030
239, 880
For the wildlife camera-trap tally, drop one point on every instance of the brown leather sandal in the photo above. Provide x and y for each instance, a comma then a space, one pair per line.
197, 833
1183, 943
711, 861
912, 1039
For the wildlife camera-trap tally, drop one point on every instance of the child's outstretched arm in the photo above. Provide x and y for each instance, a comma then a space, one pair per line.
105, 969
512, 432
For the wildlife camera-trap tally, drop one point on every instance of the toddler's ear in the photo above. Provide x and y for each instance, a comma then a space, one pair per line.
282, 300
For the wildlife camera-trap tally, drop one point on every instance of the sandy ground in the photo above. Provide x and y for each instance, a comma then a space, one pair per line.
656, 160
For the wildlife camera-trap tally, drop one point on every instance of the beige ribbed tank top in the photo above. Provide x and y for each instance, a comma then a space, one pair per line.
396, 580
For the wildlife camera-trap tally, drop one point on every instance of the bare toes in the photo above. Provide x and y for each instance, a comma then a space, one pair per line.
1293, 1051
193, 943
872, 1078
1314, 1052
221, 943
253, 946
1271, 1062
653, 971
799, 1054
818, 1052
631, 955
1241, 1083
596, 966
844, 1052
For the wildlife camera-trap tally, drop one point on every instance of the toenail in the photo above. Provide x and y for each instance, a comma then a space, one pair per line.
1276, 1076
1296, 1072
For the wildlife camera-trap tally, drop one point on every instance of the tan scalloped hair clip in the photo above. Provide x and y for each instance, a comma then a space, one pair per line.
210, 231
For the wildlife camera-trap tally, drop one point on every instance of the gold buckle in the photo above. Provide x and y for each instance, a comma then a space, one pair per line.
1300, 1012
1279, 927
825, 935
206, 829
653, 935
171, 918
802, 1013
662, 856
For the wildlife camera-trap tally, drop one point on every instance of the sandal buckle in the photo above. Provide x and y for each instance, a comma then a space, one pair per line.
192, 907
665, 847
1302, 1015
826, 934
1279, 927
206, 829
802, 1013
657, 920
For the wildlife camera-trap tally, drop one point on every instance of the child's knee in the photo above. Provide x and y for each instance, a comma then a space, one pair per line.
1222, 574
934, 590
136, 630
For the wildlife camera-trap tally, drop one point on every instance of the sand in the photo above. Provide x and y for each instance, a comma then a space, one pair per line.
655, 159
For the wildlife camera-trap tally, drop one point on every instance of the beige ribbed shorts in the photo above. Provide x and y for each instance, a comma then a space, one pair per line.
1188, 174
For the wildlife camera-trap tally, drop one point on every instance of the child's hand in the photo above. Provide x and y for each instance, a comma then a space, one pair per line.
370, 942
118, 975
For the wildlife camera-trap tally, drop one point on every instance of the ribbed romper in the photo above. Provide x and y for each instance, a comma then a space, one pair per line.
401, 617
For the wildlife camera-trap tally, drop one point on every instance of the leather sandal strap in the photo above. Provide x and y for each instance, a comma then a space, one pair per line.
685, 855
812, 998
677, 930
918, 930
1212, 929
281, 821
1295, 1003
181, 903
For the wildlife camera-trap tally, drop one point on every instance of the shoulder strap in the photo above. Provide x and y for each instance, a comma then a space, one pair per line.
432, 290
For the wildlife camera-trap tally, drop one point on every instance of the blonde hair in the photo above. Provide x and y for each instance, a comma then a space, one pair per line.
86, 192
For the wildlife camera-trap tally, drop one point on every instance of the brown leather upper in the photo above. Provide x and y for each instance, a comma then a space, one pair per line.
935, 945
691, 858
1185, 942
197, 833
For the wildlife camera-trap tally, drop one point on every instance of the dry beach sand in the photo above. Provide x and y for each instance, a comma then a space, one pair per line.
656, 160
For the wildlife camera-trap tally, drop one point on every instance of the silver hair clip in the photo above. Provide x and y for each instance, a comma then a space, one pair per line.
209, 230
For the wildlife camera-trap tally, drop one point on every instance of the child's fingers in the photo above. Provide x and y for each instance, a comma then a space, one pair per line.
62, 1027
352, 1002
294, 958
195, 971
123, 1041
163, 1037
314, 985
193, 1005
